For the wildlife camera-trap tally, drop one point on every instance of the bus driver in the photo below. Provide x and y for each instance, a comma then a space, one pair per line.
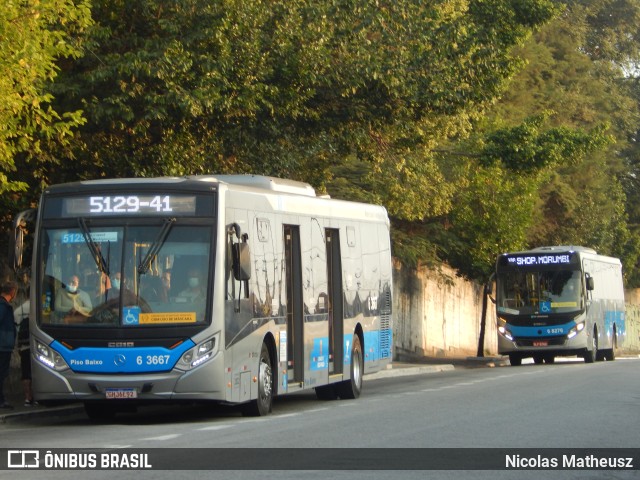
71, 301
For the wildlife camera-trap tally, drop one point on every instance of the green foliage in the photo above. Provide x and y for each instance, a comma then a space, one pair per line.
477, 136
569, 119
293, 88
502, 203
528, 147
34, 35
492, 213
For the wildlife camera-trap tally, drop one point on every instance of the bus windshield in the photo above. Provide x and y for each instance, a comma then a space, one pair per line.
543, 292
125, 276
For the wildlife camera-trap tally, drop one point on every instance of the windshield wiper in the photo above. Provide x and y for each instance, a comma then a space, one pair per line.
102, 265
145, 263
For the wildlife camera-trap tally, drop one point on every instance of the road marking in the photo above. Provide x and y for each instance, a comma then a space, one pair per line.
216, 427
286, 415
162, 438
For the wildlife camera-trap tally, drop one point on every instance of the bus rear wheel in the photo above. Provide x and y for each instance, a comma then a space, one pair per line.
351, 388
610, 354
262, 405
515, 360
326, 392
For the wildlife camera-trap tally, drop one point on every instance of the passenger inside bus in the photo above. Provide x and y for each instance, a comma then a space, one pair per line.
570, 294
165, 288
72, 304
194, 291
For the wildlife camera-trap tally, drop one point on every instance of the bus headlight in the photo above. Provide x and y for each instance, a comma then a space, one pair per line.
576, 330
503, 330
199, 354
505, 333
49, 357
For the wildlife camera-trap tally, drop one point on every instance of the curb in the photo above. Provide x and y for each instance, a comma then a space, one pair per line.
35, 412
402, 371
396, 369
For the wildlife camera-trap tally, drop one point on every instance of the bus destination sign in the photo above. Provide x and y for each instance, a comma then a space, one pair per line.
99, 205
529, 260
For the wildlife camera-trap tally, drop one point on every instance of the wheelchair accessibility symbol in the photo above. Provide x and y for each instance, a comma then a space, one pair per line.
545, 307
131, 315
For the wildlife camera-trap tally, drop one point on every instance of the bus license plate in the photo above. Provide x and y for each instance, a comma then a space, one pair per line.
117, 393
540, 343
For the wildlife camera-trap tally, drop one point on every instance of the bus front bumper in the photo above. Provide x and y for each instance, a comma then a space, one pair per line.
529, 346
199, 384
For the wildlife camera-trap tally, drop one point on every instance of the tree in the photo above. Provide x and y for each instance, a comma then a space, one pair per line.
356, 97
34, 36
581, 148
501, 177
292, 88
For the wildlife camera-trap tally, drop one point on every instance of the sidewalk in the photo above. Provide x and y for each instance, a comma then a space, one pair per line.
404, 367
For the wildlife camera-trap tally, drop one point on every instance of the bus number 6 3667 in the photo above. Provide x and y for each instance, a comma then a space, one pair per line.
153, 360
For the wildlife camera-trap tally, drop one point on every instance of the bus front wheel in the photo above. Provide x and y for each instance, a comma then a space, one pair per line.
515, 360
590, 356
262, 405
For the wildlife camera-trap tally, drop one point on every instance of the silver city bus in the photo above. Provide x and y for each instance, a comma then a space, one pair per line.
556, 301
206, 288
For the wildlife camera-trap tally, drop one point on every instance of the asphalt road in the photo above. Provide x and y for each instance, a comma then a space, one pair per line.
565, 405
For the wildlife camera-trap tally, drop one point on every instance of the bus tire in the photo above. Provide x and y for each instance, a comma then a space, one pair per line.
262, 405
538, 359
515, 360
610, 354
590, 356
549, 359
326, 392
350, 389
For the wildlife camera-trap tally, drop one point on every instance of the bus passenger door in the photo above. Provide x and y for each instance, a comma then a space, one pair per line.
336, 314
295, 314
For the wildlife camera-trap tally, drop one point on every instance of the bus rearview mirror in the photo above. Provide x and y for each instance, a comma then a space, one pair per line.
241, 261
590, 284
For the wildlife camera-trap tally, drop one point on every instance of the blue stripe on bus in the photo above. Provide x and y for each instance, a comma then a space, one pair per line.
617, 318
122, 360
541, 331
372, 349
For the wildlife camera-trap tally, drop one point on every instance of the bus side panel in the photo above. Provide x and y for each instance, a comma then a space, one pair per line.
247, 308
263, 311
351, 277
606, 311
315, 291
385, 300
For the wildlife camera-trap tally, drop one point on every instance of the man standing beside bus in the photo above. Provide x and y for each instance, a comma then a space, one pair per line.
7, 335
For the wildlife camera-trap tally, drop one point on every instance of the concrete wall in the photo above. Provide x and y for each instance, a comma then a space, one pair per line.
437, 314
632, 314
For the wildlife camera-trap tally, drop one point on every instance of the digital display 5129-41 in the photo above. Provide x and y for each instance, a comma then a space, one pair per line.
129, 205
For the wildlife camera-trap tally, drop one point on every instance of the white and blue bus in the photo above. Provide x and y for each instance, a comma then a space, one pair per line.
228, 288
559, 301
